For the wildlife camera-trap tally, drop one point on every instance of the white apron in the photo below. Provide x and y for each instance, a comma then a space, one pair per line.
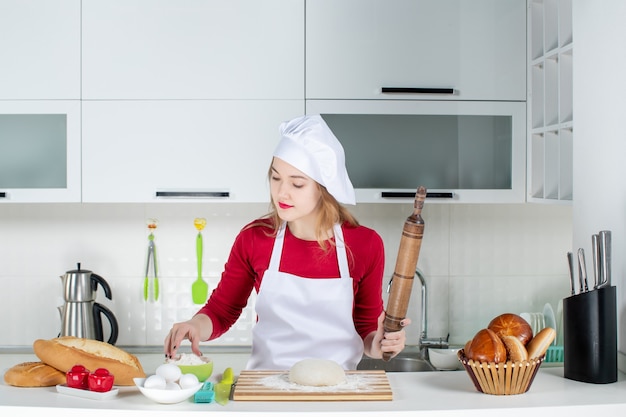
301, 318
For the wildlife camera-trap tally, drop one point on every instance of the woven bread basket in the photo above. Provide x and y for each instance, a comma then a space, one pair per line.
506, 378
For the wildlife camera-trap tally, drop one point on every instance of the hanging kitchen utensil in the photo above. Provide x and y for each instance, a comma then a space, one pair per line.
199, 289
406, 262
151, 292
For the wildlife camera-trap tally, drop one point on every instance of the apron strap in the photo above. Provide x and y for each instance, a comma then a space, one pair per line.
277, 250
342, 256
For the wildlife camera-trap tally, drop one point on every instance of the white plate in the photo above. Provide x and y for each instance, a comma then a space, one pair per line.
83, 393
550, 318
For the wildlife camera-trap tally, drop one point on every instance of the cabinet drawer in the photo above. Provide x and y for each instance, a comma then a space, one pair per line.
476, 48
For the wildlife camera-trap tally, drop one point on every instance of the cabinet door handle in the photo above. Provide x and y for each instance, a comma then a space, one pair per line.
403, 194
193, 194
417, 90
3, 194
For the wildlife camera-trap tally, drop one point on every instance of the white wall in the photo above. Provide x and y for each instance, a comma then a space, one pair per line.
479, 260
600, 138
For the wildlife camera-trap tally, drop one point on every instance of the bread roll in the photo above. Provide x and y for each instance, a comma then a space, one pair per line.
67, 351
515, 349
486, 346
509, 324
33, 374
539, 344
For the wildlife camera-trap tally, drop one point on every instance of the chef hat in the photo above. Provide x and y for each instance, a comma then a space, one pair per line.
309, 145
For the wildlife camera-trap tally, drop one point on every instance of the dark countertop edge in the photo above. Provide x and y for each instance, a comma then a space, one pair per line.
143, 349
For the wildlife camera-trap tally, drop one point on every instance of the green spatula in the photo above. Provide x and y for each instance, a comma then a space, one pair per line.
199, 288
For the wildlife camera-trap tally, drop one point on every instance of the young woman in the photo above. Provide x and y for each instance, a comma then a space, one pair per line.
318, 273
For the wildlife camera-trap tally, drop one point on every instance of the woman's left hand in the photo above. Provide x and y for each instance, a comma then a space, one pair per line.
387, 342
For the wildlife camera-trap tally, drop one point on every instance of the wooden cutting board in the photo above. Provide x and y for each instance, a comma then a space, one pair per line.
275, 386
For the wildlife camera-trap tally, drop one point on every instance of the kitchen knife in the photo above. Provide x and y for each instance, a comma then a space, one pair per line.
582, 271
570, 263
595, 251
604, 238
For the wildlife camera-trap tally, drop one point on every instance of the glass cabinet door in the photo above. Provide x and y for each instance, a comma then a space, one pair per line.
462, 152
39, 151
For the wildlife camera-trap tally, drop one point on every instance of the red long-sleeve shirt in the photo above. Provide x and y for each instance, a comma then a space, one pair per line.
249, 259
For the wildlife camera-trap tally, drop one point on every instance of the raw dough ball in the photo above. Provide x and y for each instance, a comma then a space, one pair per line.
317, 373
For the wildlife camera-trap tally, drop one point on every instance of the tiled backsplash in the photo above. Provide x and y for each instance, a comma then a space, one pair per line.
479, 261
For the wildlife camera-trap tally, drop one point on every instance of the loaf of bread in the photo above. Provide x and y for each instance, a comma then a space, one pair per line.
486, 346
539, 344
33, 374
64, 352
515, 349
509, 324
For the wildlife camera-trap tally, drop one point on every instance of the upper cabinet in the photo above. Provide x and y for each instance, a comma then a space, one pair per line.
180, 150
39, 49
416, 49
212, 49
40, 151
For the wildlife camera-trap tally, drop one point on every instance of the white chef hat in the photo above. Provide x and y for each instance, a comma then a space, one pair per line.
308, 144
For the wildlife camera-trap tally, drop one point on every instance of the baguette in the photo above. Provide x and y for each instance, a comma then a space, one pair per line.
64, 352
33, 374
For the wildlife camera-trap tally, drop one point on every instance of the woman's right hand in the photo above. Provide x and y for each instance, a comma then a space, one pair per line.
192, 330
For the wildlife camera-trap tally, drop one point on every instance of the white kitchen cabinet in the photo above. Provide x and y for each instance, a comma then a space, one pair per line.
477, 49
192, 150
197, 49
40, 151
461, 151
39, 49
550, 105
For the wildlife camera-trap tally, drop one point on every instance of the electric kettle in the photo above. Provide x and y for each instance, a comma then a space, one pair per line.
81, 316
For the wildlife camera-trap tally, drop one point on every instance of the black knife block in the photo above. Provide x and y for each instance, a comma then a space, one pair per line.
590, 336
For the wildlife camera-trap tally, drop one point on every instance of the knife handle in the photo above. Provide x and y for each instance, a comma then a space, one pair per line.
570, 264
595, 251
582, 270
605, 258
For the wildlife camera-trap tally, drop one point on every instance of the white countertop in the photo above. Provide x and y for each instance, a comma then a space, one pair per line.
419, 393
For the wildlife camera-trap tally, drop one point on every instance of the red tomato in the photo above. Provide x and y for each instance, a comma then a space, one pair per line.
101, 380
77, 377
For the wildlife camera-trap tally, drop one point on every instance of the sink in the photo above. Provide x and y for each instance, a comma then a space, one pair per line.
397, 364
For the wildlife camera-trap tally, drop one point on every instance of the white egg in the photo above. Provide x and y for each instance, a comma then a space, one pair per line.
188, 381
172, 386
155, 381
170, 372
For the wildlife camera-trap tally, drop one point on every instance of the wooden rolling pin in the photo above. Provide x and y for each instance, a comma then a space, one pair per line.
402, 279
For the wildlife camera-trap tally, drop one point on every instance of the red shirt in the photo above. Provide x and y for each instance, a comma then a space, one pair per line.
250, 256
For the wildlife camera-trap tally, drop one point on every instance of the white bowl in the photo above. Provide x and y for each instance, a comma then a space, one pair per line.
445, 359
165, 396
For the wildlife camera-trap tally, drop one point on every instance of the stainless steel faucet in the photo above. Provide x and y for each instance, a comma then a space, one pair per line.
424, 341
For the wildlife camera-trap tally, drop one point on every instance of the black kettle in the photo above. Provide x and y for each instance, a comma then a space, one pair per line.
81, 316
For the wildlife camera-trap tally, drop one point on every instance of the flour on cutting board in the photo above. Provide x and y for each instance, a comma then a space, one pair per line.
352, 383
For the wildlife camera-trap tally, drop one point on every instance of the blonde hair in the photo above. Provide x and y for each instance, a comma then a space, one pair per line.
331, 212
